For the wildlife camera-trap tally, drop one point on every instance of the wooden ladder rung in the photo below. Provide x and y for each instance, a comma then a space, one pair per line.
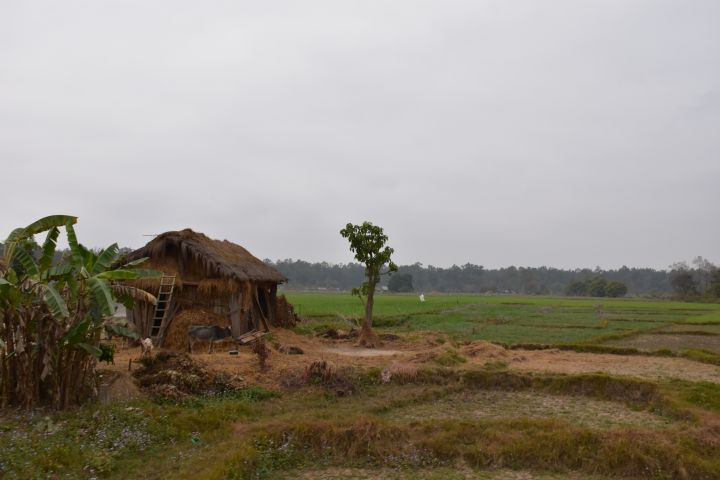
165, 292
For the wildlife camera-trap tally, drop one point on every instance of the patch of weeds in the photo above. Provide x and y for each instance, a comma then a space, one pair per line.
253, 394
664, 352
315, 328
276, 456
366, 377
497, 365
701, 394
449, 358
704, 356
338, 381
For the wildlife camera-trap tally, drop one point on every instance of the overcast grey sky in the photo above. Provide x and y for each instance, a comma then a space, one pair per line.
562, 133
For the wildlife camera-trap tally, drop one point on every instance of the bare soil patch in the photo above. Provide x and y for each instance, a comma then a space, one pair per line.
361, 352
424, 352
245, 366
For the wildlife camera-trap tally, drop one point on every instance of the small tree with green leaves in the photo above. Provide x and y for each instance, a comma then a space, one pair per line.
52, 314
368, 243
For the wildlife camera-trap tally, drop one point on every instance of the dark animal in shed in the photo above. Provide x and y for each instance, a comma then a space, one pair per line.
211, 333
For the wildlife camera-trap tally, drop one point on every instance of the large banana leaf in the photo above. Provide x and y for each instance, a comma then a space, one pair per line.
91, 349
101, 294
57, 271
76, 252
27, 261
88, 257
48, 249
106, 258
10, 244
45, 223
55, 302
14, 236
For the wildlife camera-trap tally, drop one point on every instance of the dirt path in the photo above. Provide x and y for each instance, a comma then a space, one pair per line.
361, 352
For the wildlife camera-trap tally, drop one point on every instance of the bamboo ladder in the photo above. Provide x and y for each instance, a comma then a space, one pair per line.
167, 287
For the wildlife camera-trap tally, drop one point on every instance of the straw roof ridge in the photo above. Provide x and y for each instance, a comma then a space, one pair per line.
220, 258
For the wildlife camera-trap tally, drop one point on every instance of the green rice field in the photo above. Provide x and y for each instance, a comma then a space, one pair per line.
506, 319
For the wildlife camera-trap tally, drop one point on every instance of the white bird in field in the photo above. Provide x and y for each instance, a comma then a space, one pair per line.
422, 298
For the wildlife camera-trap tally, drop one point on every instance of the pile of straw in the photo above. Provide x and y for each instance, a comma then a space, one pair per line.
286, 316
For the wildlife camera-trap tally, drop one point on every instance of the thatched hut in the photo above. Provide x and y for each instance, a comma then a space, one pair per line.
213, 276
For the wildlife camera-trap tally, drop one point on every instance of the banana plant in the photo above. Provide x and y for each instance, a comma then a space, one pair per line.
57, 310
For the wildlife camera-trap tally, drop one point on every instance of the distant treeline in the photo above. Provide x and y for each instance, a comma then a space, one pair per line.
699, 282
471, 278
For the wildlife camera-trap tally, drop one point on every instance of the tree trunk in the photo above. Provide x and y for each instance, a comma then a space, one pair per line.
367, 337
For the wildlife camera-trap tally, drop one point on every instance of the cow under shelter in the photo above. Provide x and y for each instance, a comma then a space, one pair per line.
205, 282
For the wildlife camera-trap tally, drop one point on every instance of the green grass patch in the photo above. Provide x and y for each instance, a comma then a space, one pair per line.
705, 395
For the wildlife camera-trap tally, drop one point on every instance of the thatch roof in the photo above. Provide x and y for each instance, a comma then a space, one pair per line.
219, 258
